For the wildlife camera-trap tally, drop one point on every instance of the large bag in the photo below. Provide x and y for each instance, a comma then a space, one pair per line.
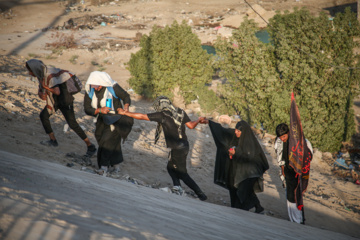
74, 84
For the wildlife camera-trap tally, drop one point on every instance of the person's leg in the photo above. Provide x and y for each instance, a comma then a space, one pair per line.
69, 116
258, 207
185, 177
178, 164
173, 175
45, 120
109, 152
246, 194
234, 200
295, 215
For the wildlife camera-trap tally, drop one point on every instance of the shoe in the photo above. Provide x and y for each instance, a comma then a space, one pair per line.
91, 150
259, 209
102, 171
50, 143
201, 196
178, 190
115, 169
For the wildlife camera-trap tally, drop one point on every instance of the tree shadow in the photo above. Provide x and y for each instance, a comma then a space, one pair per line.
341, 8
18, 48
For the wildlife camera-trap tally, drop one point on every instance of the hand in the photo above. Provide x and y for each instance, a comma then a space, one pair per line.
231, 152
42, 94
126, 107
43, 85
203, 120
104, 110
121, 111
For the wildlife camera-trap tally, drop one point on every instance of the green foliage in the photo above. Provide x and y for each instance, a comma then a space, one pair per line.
210, 101
309, 56
168, 58
313, 59
247, 64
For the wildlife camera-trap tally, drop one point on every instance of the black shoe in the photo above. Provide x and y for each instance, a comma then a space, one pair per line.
259, 209
86, 160
201, 196
50, 143
91, 150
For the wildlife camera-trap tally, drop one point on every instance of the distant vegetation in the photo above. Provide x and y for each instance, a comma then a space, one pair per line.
310, 56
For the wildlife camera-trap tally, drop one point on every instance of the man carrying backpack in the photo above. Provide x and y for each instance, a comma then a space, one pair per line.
53, 89
103, 95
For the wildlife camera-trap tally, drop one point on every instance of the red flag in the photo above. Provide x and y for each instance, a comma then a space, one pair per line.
299, 154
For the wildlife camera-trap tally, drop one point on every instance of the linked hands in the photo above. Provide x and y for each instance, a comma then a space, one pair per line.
122, 111
203, 120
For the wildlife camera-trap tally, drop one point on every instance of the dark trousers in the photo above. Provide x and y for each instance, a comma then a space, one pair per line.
109, 151
291, 183
244, 196
177, 168
185, 177
69, 115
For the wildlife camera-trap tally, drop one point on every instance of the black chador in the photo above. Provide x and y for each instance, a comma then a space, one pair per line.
242, 174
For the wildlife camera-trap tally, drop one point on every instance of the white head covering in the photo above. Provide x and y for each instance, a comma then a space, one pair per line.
100, 79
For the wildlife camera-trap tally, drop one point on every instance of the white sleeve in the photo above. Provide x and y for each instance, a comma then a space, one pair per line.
279, 151
308, 144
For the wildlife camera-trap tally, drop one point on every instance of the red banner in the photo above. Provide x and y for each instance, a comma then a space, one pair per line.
299, 154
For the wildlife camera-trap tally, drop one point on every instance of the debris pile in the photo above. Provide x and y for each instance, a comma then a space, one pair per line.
347, 165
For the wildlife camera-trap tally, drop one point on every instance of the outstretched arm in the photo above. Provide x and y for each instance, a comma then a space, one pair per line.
193, 124
138, 116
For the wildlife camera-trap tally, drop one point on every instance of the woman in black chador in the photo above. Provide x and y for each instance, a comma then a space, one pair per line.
240, 164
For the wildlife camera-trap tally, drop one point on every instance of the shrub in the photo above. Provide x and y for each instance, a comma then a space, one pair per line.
169, 58
313, 59
248, 66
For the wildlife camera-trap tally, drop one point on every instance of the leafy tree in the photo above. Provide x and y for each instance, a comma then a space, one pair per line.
252, 80
308, 55
170, 57
313, 56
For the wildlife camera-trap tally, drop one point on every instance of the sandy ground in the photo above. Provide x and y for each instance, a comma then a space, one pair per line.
26, 27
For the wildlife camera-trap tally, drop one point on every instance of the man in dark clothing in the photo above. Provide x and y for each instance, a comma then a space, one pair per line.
53, 89
291, 178
102, 96
172, 121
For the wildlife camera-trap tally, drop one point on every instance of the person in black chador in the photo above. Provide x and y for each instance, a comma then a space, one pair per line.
53, 89
172, 121
240, 164
102, 96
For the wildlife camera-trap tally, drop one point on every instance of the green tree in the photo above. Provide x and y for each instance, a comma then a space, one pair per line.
312, 56
252, 80
170, 57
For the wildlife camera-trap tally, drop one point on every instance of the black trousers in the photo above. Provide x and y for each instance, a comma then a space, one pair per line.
244, 196
109, 151
291, 183
69, 115
177, 169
